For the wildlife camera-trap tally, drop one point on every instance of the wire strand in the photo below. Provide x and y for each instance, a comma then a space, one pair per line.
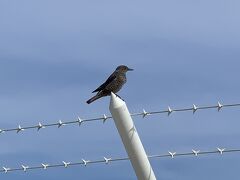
108, 160
144, 113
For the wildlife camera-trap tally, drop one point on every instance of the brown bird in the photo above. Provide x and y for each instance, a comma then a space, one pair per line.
113, 84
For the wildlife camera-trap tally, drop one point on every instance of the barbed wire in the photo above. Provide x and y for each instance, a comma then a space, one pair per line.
144, 113
108, 160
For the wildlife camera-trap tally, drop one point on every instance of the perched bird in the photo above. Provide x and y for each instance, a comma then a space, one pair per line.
113, 84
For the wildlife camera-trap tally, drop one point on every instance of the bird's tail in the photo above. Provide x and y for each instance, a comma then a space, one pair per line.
94, 98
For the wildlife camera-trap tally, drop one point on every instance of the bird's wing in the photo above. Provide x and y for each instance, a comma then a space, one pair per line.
109, 80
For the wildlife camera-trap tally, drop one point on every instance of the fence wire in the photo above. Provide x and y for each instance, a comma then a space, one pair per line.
104, 117
108, 160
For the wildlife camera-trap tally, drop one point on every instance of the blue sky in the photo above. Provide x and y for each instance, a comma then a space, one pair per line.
53, 54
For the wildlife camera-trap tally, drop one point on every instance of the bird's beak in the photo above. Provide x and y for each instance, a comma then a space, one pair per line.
129, 69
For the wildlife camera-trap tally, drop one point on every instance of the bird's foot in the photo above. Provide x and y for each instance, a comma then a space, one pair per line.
119, 97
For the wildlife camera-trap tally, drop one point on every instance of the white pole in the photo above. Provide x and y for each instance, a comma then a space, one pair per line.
130, 139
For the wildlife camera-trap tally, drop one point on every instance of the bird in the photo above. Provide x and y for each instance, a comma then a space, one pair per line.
113, 84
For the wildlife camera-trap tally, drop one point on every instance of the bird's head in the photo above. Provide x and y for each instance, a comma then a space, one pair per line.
123, 68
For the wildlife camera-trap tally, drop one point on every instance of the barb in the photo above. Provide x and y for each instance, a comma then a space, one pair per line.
81, 121
107, 161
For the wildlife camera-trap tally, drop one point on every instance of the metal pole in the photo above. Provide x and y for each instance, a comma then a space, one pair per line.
130, 139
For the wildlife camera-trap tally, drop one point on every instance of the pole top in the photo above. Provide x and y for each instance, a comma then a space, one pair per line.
115, 101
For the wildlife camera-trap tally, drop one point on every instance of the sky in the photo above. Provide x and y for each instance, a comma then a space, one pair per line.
54, 53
